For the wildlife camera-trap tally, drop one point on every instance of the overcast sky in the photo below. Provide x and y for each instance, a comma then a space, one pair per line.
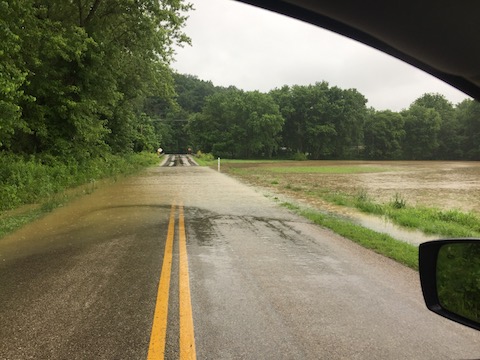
253, 49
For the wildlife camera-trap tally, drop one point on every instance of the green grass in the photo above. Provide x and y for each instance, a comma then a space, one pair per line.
383, 244
214, 162
292, 187
240, 161
207, 159
240, 171
11, 223
205, 162
449, 223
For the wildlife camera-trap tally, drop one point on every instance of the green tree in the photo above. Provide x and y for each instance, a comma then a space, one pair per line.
422, 126
237, 124
324, 122
192, 92
13, 74
90, 64
315, 114
383, 134
347, 110
468, 114
292, 132
306, 129
190, 96
449, 135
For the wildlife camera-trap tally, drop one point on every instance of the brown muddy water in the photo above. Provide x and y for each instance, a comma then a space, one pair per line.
442, 184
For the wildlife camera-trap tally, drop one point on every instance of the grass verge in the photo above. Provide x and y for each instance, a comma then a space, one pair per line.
383, 244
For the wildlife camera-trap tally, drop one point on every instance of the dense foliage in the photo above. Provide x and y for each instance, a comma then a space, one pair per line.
323, 121
75, 74
238, 124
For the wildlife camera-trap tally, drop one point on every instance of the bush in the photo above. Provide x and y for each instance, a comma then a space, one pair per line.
398, 202
299, 156
364, 203
204, 156
204, 159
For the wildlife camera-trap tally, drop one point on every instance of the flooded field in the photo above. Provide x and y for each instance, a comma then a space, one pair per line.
447, 185
441, 184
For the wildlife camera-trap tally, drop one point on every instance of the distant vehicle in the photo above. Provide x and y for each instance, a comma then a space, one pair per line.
441, 38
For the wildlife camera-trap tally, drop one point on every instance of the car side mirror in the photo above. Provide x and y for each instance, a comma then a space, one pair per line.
450, 279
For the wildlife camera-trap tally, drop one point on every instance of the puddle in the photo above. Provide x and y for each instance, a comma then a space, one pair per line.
384, 225
375, 223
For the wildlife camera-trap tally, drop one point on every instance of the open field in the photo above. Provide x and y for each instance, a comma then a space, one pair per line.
447, 185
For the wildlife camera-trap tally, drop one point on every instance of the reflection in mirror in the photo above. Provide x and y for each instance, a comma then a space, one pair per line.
458, 279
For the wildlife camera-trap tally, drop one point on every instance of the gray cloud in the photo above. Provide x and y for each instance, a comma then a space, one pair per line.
253, 49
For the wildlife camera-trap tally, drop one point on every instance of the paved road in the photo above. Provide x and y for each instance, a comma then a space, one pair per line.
86, 282
178, 160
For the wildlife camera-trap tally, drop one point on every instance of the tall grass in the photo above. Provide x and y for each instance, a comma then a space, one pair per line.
204, 159
449, 223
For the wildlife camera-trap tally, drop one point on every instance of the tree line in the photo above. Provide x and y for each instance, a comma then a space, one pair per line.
82, 79
319, 122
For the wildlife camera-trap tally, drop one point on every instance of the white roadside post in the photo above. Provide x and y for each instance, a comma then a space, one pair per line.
218, 164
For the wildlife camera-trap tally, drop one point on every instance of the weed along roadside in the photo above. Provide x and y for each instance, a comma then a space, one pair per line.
30, 189
401, 193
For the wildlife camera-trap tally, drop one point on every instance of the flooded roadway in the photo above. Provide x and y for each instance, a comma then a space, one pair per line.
82, 283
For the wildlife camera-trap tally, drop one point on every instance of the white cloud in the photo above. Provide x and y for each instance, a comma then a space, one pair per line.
253, 49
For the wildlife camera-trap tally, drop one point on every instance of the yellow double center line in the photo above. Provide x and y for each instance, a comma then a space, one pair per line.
156, 348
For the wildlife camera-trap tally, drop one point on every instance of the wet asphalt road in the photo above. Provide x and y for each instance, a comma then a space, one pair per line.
82, 283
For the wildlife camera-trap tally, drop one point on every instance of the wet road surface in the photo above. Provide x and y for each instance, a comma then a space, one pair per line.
87, 282
178, 160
